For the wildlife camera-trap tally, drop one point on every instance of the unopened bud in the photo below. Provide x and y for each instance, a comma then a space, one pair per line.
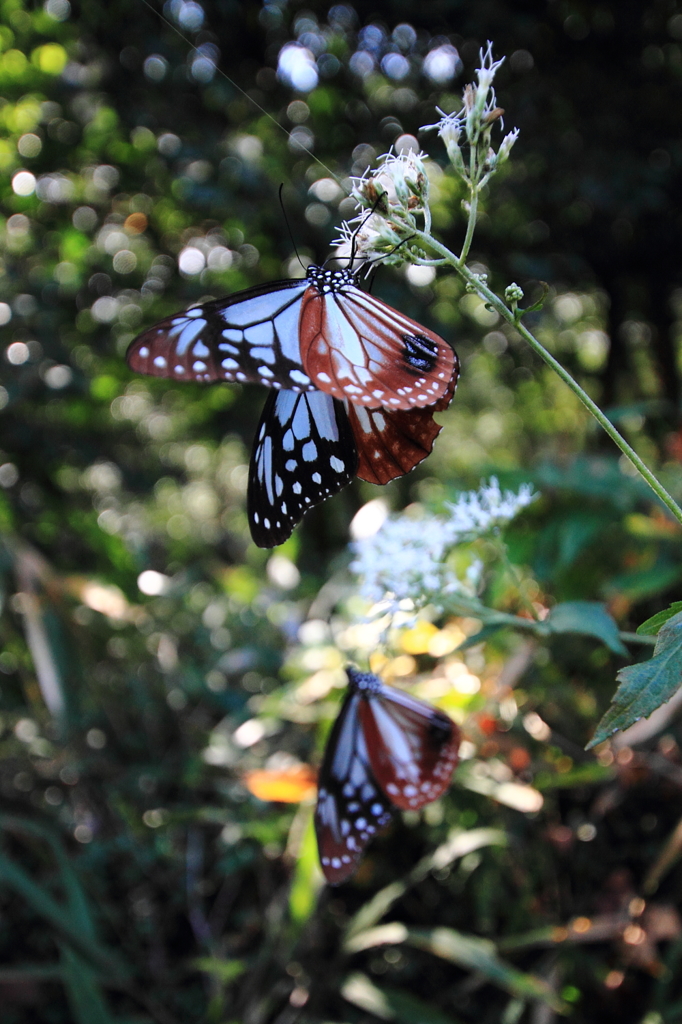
513, 292
506, 146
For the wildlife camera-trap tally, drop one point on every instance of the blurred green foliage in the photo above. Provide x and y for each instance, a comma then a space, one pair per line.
152, 657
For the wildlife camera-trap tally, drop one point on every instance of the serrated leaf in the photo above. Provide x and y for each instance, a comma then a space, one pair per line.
650, 627
589, 618
647, 685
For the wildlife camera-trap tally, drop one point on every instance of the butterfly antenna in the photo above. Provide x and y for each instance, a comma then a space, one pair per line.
286, 221
351, 258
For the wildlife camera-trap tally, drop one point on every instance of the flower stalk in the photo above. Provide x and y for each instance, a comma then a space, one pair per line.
397, 194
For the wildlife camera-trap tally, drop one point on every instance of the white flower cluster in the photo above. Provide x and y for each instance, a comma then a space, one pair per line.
475, 120
406, 559
399, 186
481, 511
401, 178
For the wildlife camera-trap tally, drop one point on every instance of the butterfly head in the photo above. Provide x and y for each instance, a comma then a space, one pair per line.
364, 683
326, 281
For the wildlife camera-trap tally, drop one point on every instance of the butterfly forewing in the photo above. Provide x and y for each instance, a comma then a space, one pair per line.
351, 807
250, 337
413, 747
304, 452
390, 443
356, 347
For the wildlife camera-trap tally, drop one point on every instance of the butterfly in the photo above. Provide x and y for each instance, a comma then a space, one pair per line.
355, 385
387, 750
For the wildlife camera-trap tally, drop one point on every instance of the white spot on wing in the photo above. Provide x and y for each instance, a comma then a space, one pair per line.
322, 409
309, 451
301, 422
363, 419
267, 355
192, 330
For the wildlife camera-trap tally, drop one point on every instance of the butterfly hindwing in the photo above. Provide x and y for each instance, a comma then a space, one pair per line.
390, 443
413, 747
351, 807
356, 347
249, 337
304, 452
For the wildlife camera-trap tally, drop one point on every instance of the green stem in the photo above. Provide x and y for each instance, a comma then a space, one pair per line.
499, 306
471, 226
540, 628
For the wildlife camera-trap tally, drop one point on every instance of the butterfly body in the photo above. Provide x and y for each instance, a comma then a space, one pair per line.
387, 750
354, 384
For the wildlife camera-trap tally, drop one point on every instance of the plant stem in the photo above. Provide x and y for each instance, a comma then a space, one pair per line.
471, 226
540, 628
500, 307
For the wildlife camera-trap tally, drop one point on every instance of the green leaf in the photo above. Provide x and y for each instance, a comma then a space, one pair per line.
467, 951
581, 775
307, 880
44, 904
477, 638
224, 971
647, 685
589, 618
651, 626
86, 998
458, 844
473, 953
391, 1003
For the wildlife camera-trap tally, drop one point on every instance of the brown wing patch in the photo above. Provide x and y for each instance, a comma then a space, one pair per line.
391, 442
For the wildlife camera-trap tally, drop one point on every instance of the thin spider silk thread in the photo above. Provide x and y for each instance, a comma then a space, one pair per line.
220, 71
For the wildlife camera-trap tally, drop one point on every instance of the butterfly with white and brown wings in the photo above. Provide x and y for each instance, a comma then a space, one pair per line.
355, 385
387, 750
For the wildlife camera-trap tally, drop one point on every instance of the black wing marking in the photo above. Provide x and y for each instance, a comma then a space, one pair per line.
351, 808
249, 337
304, 452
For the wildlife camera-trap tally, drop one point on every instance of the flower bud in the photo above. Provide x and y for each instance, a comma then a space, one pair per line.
506, 146
513, 292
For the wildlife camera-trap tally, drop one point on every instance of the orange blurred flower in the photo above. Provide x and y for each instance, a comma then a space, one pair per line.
285, 786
